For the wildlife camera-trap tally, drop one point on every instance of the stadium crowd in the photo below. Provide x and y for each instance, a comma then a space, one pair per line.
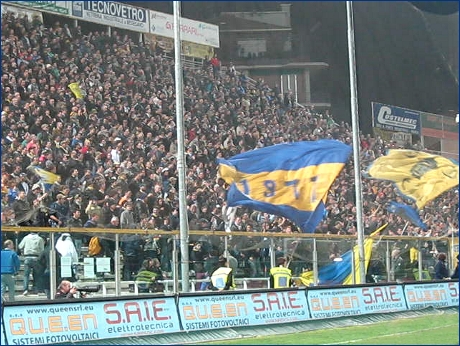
115, 148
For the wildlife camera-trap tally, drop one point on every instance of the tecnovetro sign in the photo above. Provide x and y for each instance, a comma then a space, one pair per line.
113, 14
396, 119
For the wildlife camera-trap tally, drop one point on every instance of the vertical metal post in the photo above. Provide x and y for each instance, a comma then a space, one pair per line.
183, 221
282, 85
315, 262
117, 265
419, 260
353, 269
53, 268
176, 269
356, 144
388, 263
295, 88
272, 252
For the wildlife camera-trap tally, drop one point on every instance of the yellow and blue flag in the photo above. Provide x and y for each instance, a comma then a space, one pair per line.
46, 178
419, 176
289, 179
407, 213
340, 272
75, 88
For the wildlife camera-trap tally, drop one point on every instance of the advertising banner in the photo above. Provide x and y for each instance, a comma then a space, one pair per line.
338, 302
59, 7
191, 30
197, 50
113, 14
21, 12
188, 48
238, 310
437, 295
396, 119
86, 321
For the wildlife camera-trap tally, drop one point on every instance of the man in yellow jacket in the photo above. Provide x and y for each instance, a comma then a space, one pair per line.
280, 276
222, 277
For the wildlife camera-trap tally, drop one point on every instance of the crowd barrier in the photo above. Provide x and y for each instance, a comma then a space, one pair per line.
95, 319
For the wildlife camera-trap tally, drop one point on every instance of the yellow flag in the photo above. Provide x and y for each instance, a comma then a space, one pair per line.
46, 177
75, 88
368, 242
418, 175
307, 278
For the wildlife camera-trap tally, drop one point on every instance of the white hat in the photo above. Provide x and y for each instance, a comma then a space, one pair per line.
36, 186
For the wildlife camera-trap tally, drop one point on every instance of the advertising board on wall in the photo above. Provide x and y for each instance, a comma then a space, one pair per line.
191, 30
58, 7
437, 295
238, 310
340, 302
85, 321
396, 119
120, 15
113, 14
22, 11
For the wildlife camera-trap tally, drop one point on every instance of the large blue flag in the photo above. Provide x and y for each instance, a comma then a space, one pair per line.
290, 179
407, 213
341, 272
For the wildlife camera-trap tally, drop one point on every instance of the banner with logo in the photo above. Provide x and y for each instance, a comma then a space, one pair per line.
238, 310
80, 321
396, 119
112, 13
197, 50
21, 12
339, 302
437, 295
59, 7
188, 48
191, 30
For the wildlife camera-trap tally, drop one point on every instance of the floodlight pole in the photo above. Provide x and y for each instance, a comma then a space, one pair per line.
183, 222
356, 144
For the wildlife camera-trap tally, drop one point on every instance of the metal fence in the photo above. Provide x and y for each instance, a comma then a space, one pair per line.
114, 271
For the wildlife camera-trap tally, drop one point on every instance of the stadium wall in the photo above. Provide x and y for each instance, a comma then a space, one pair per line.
93, 319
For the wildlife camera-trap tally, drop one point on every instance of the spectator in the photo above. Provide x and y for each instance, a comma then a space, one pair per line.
131, 245
150, 275
10, 267
127, 217
61, 209
43, 271
440, 269
455, 272
65, 290
31, 246
92, 221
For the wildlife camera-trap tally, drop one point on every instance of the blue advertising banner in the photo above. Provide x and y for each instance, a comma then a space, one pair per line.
338, 302
86, 321
437, 295
397, 119
237, 310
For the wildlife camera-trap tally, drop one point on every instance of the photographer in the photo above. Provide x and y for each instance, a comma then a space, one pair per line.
65, 290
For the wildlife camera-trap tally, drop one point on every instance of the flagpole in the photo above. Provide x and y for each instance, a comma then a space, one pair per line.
356, 144
183, 222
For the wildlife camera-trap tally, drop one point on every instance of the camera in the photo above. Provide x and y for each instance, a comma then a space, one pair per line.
88, 288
